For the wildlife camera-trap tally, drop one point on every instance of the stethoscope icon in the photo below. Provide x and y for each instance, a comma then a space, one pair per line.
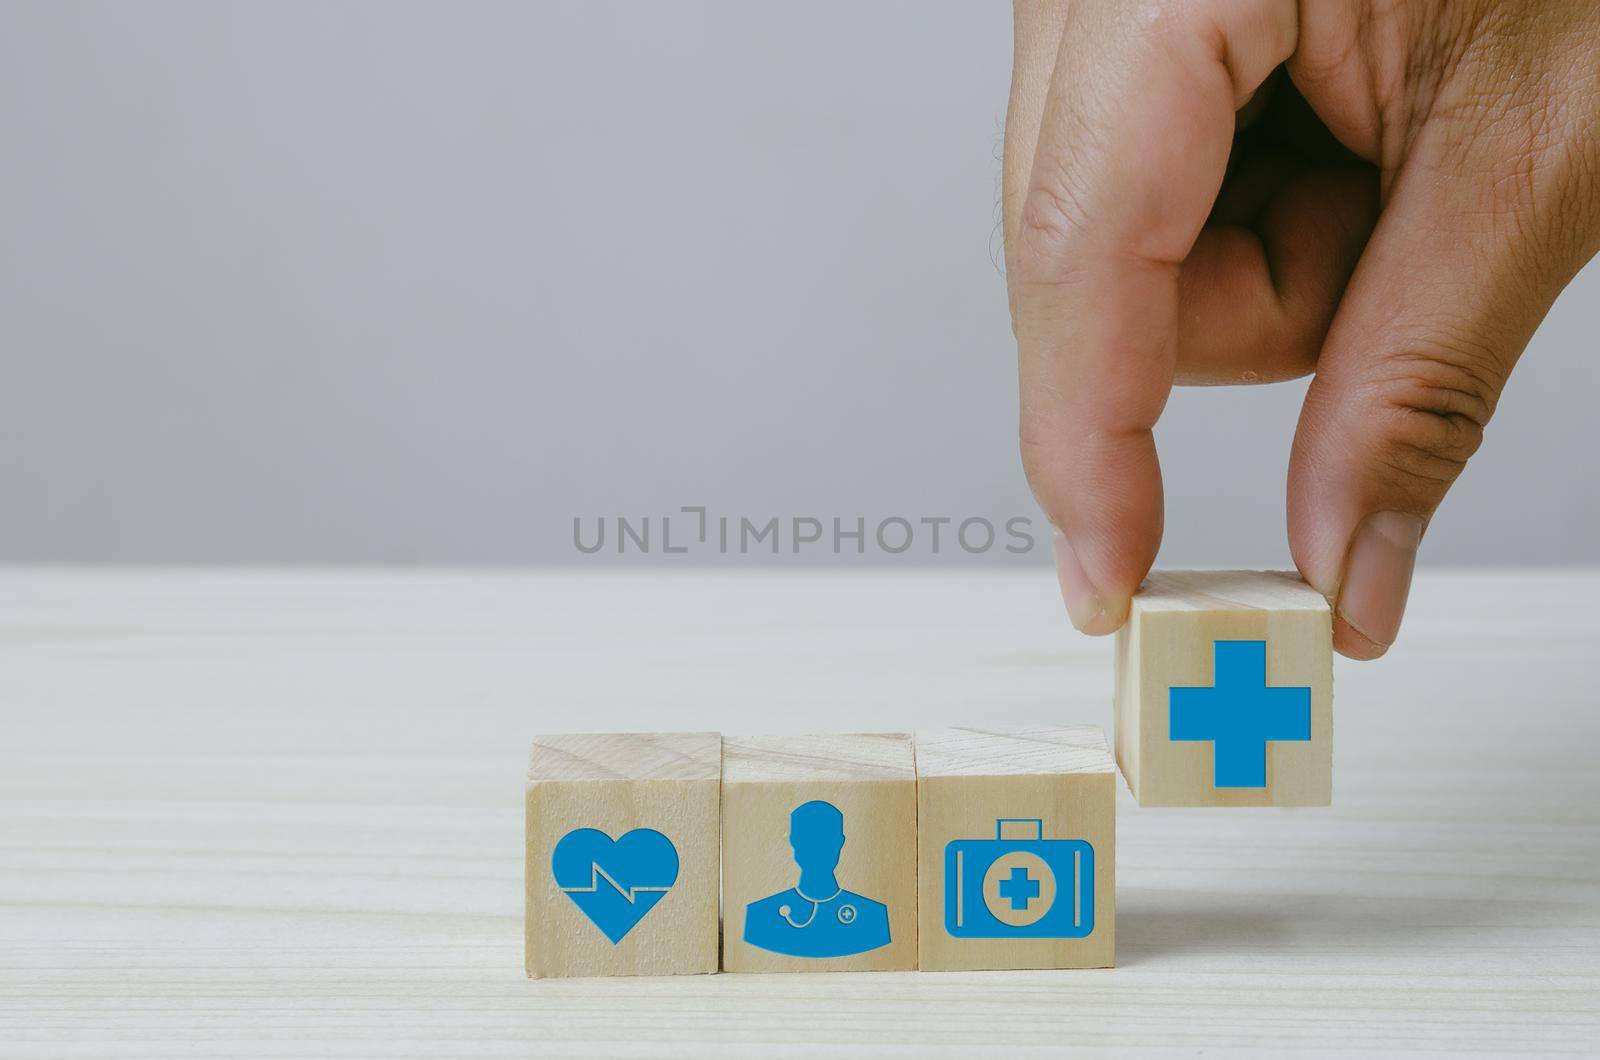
846, 913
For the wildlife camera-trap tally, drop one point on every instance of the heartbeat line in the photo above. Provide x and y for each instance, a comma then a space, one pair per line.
596, 874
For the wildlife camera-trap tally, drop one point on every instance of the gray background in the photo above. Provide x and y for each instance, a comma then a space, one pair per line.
418, 283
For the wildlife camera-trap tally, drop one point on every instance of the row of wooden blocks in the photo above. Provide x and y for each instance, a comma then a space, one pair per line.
950, 849
953, 848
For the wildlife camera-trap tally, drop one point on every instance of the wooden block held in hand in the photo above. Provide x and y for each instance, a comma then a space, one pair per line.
1016, 836
819, 850
623, 832
1224, 691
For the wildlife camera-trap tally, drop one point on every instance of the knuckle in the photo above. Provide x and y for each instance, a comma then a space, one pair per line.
1436, 400
1426, 449
1052, 219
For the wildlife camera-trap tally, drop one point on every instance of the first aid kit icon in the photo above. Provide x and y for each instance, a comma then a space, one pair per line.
1019, 888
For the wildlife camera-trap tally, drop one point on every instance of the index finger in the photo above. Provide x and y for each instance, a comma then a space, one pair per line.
1133, 136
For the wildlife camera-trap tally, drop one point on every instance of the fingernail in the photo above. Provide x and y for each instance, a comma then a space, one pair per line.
1085, 606
1377, 578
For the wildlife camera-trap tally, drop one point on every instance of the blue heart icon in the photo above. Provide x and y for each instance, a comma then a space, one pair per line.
615, 881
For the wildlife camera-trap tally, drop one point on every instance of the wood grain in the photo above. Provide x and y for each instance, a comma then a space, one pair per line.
626, 756
871, 779
1169, 641
617, 782
968, 780
280, 814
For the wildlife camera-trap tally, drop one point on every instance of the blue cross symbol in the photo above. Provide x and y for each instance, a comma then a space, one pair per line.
1240, 713
1019, 888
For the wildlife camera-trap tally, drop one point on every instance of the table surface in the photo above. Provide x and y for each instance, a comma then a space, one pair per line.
279, 813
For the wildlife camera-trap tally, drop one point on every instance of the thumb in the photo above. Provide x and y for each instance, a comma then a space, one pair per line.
1465, 261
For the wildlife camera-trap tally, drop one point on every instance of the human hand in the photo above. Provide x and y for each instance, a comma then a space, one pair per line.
1231, 191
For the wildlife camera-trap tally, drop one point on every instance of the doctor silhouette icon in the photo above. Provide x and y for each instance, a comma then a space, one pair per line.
816, 917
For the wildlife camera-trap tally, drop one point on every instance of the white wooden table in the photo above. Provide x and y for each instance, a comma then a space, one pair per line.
277, 813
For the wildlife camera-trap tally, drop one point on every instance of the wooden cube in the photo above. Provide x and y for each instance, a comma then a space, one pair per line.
1016, 839
819, 853
622, 850
1224, 691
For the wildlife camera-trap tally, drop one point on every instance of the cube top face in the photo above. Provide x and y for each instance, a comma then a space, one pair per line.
1226, 590
819, 853
622, 843
627, 756
1012, 752
825, 757
1225, 691
1016, 849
